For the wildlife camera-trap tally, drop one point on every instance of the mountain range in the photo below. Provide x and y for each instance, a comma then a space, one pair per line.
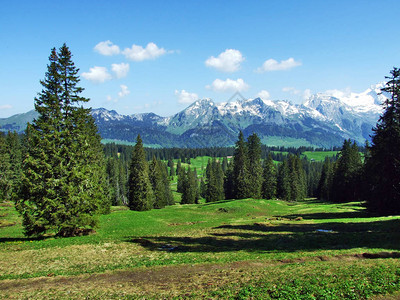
323, 120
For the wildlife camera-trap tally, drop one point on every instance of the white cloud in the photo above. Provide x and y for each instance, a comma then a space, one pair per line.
107, 48
291, 90
120, 70
228, 61
273, 65
228, 85
185, 97
263, 95
138, 53
97, 74
339, 93
124, 91
7, 106
307, 94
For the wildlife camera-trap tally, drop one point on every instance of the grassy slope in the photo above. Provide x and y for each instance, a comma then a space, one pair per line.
256, 244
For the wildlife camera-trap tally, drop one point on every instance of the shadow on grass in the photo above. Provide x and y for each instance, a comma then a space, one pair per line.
23, 239
358, 213
217, 202
263, 237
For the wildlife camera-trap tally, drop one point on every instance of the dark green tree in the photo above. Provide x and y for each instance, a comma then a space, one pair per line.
269, 179
214, 181
60, 191
158, 175
241, 174
348, 171
382, 168
140, 195
190, 185
255, 166
325, 183
283, 181
5, 170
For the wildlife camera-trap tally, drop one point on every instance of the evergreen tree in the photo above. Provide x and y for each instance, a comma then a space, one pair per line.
269, 179
325, 183
297, 177
171, 167
224, 164
5, 170
14, 148
382, 168
241, 174
283, 181
345, 186
140, 195
255, 167
169, 198
60, 191
214, 182
159, 180
190, 187
229, 188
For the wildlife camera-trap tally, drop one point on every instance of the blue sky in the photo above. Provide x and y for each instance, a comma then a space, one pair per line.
158, 56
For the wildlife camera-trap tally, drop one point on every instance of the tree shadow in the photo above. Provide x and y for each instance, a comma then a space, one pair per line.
264, 237
23, 239
357, 213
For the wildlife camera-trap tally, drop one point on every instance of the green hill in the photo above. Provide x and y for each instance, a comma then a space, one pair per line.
227, 249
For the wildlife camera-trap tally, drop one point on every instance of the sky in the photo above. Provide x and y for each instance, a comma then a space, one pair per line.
160, 56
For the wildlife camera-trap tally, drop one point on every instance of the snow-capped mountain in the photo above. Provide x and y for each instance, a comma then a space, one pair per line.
325, 119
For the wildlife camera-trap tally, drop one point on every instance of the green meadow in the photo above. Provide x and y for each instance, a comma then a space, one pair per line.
231, 249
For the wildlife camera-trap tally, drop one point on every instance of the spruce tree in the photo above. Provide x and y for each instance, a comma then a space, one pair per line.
214, 182
60, 190
140, 195
283, 181
190, 186
158, 175
345, 185
255, 167
241, 175
324, 189
382, 168
269, 179
5, 170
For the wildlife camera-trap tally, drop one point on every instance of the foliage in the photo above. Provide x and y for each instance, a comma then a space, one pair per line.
269, 179
214, 181
348, 170
140, 195
63, 178
382, 170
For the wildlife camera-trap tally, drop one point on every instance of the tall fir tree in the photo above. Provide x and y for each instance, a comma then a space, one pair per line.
190, 187
269, 179
348, 171
158, 175
241, 174
382, 168
140, 195
324, 189
214, 181
60, 191
255, 166
5, 170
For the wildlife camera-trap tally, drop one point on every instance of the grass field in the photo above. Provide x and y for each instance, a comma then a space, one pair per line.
237, 249
318, 155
